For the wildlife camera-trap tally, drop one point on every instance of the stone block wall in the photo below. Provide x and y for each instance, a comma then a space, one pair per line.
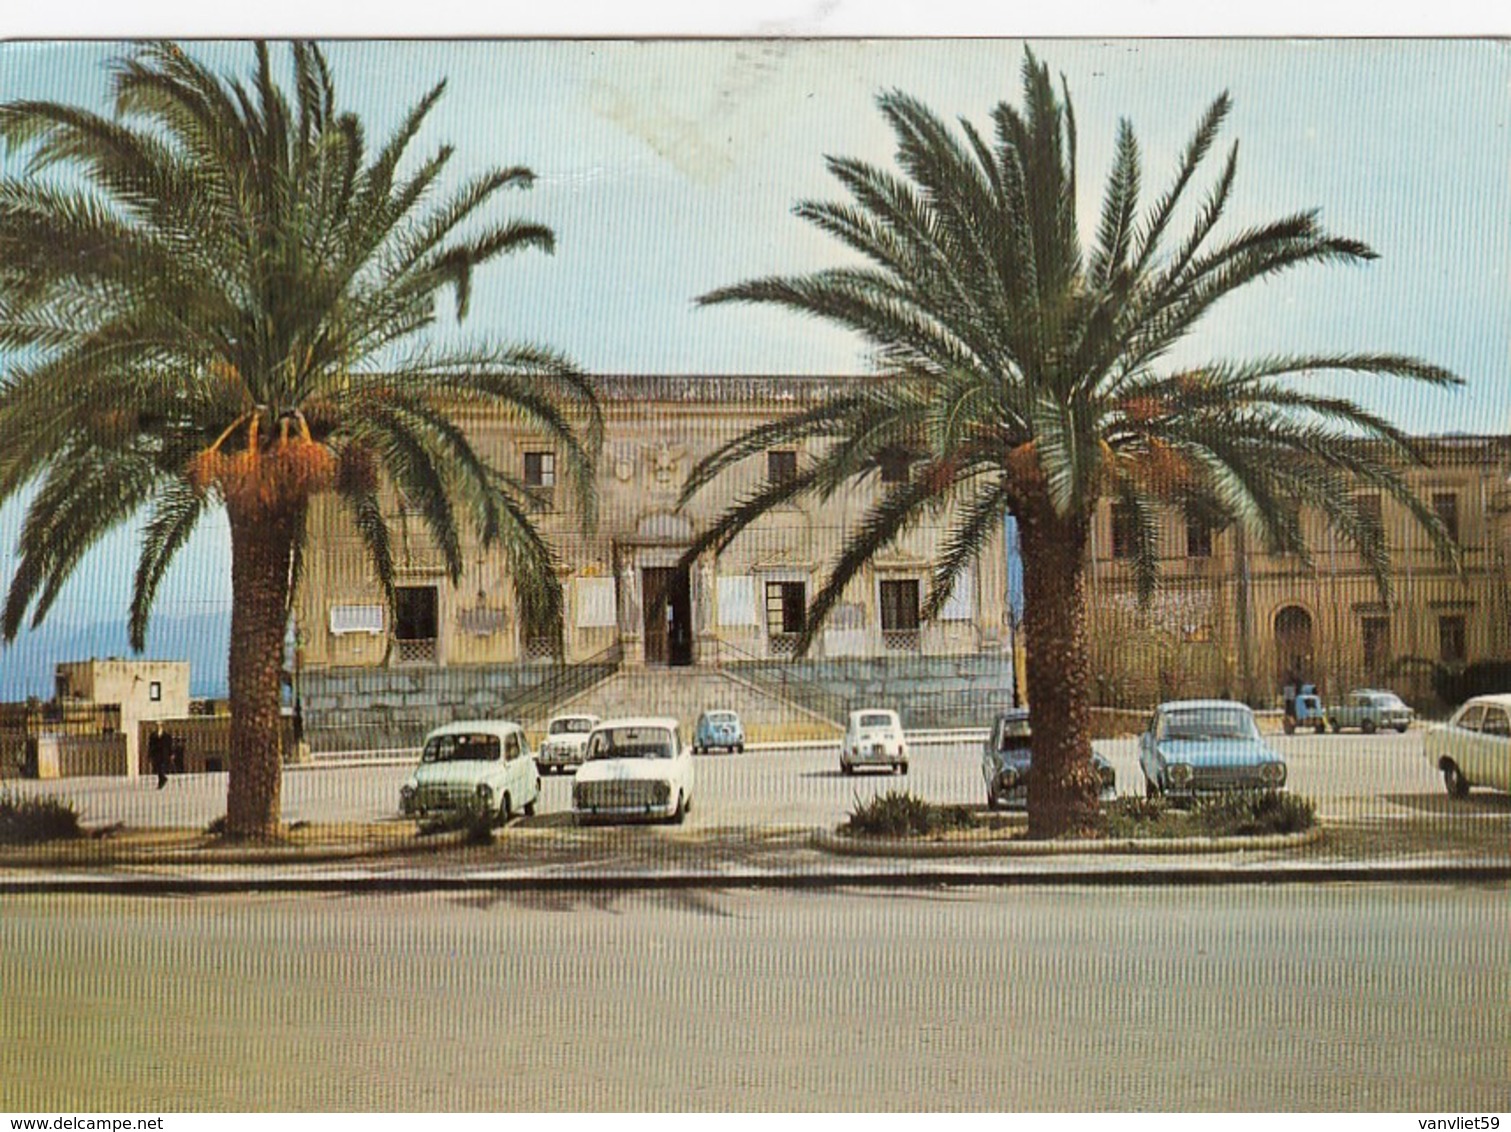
927, 691
367, 709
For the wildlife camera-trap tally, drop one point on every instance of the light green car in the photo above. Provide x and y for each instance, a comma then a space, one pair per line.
477, 763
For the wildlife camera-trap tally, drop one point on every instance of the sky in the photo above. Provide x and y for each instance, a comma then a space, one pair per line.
668, 168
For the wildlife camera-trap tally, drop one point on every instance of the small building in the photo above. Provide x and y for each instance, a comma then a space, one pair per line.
140, 690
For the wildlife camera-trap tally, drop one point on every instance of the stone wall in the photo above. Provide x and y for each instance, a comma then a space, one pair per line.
927, 691
364, 709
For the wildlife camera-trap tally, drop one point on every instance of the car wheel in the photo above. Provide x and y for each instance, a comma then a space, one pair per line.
846, 768
992, 801
1401, 729
1290, 726
1322, 729
506, 808
1368, 727
1335, 727
680, 813
1151, 788
530, 806
1455, 782
740, 747
902, 768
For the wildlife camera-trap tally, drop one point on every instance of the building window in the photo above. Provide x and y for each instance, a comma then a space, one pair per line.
1123, 530
1446, 504
416, 622
1369, 507
1198, 538
899, 614
1451, 648
1375, 633
155, 691
786, 609
781, 466
540, 469
894, 465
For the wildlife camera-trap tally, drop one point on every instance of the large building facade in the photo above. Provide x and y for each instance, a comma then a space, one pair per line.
1230, 618
628, 604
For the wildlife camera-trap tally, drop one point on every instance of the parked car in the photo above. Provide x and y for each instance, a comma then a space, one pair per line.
1193, 747
873, 737
1370, 711
634, 768
1303, 708
720, 728
1474, 747
476, 762
566, 736
1006, 758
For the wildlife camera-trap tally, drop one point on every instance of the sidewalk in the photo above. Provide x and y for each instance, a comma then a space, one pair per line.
648, 857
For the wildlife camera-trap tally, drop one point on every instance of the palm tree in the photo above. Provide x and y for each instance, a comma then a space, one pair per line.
217, 304
1024, 374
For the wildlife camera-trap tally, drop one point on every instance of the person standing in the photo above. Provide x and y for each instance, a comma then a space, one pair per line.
159, 754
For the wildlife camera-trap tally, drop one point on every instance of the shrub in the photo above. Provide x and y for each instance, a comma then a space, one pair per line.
1252, 812
898, 813
26, 821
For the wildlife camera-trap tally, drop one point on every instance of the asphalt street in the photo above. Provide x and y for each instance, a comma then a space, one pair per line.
1334, 998
1349, 776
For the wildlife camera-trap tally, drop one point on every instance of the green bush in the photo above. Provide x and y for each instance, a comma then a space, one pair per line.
26, 821
1253, 812
898, 813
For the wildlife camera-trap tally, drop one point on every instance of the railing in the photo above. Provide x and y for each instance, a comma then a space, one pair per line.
566, 681
776, 678
901, 640
415, 650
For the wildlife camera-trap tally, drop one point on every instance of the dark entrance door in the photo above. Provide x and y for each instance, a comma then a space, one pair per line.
668, 615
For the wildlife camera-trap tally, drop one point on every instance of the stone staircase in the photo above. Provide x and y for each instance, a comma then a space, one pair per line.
684, 693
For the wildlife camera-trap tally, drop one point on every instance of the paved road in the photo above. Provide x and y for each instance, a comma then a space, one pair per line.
1334, 998
1348, 775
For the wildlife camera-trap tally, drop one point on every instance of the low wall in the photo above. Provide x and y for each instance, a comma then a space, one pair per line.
358, 709
205, 741
927, 691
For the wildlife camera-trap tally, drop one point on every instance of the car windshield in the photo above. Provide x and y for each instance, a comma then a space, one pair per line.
631, 743
459, 748
574, 726
1208, 723
1015, 735
876, 719
722, 717
1389, 700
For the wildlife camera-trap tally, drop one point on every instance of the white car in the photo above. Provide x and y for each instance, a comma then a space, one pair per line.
874, 738
1474, 747
476, 762
634, 768
566, 737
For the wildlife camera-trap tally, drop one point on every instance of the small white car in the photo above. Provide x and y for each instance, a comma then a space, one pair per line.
873, 738
634, 768
1474, 747
562, 747
476, 762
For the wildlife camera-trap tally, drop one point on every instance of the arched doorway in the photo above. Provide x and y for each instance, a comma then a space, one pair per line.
1293, 646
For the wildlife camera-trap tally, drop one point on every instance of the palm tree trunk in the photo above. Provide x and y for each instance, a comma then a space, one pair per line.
1063, 786
261, 546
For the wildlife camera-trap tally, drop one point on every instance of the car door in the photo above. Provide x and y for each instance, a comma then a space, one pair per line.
1492, 752
1462, 736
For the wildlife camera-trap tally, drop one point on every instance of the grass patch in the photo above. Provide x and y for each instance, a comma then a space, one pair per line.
898, 813
1241, 813
28, 821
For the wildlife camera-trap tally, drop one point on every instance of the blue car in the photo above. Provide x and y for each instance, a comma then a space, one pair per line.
721, 729
1196, 747
1007, 756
